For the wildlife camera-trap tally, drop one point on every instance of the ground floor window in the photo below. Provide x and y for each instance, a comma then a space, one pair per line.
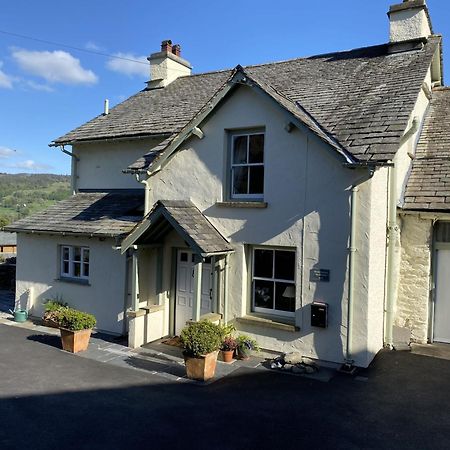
273, 281
75, 262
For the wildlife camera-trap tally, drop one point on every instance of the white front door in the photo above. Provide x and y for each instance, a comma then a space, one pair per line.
442, 299
185, 289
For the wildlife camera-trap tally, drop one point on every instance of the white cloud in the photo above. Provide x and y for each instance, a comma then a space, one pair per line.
55, 67
39, 86
6, 152
30, 165
130, 68
6, 81
93, 46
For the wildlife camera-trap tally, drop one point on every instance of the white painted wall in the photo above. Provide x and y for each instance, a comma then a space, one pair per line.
308, 196
100, 164
38, 268
413, 302
409, 24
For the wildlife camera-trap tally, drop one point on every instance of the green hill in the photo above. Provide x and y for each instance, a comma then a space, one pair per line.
24, 194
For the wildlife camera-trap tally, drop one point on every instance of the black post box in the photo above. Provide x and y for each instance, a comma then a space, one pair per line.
319, 315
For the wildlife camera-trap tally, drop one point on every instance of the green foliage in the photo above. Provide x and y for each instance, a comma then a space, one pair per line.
51, 305
246, 343
227, 330
24, 194
200, 338
74, 320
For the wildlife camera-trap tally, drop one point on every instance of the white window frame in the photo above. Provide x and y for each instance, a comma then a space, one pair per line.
71, 262
274, 312
232, 166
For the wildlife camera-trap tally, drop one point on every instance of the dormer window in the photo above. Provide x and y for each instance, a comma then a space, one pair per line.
247, 165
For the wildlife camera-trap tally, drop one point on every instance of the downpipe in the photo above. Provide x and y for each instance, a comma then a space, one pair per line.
391, 246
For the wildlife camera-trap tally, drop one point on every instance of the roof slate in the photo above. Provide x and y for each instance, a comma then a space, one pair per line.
100, 214
8, 238
187, 220
428, 186
362, 98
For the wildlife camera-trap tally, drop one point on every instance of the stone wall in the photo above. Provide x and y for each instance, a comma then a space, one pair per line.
412, 310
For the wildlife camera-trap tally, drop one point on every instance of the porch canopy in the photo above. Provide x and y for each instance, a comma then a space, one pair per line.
186, 219
193, 227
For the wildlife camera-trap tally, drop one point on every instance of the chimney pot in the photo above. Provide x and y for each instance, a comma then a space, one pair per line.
166, 46
176, 50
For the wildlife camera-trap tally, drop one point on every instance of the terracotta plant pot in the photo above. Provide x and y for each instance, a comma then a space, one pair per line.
75, 341
202, 368
227, 355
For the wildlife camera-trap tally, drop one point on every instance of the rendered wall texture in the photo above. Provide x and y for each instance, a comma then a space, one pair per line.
38, 269
415, 267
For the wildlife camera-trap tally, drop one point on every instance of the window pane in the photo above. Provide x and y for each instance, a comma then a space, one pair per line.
183, 257
66, 253
284, 297
263, 262
85, 270
86, 255
256, 179
443, 232
76, 269
263, 294
256, 149
240, 179
76, 253
284, 265
240, 149
66, 267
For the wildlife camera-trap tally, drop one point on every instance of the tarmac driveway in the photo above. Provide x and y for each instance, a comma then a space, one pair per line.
50, 399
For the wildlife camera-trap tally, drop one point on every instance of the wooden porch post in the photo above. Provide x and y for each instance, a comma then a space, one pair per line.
197, 301
225, 290
135, 281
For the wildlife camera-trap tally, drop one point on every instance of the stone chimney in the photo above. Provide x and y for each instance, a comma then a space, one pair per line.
409, 20
167, 65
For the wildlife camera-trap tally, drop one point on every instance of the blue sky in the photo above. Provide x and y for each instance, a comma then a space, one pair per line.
47, 90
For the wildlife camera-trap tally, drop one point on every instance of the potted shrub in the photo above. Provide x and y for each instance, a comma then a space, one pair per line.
201, 342
51, 310
229, 345
245, 346
75, 327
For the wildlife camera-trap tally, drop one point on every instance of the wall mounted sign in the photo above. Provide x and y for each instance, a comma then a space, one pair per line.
321, 275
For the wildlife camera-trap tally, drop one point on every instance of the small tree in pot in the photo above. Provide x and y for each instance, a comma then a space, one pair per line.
201, 342
75, 327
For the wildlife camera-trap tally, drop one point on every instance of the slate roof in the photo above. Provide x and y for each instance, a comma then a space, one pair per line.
362, 98
187, 220
428, 186
8, 238
100, 214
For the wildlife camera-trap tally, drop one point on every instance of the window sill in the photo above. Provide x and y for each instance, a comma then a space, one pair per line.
74, 281
278, 324
241, 204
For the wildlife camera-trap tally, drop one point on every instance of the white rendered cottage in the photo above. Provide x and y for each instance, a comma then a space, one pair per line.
271, 196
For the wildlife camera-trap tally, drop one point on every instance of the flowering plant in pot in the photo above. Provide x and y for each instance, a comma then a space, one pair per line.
75, 327
245, 346
229, 345
201, 342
